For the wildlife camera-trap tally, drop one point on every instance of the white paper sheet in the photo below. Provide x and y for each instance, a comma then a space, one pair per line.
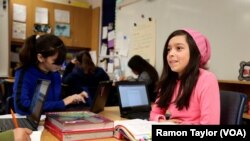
19, 30
41, 15
62, 16
93, 56
104, 32
19, 12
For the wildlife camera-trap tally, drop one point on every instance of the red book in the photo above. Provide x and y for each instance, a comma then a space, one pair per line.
78, 135
79, 121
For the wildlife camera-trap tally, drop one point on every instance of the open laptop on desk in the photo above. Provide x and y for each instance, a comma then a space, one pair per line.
101, 96
134, 101
31, 121
99, 100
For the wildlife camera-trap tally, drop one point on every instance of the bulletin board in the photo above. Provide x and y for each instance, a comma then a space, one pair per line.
143, 40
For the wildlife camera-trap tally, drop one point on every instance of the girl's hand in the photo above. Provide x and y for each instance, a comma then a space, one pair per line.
82, 96
22, 134
74, 61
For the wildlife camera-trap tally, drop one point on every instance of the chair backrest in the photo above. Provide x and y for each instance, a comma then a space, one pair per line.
9, 104
232, 107
8, 88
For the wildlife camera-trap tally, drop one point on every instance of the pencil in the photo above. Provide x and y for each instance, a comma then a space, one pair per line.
14, 118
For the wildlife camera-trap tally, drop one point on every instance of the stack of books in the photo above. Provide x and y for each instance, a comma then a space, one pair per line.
78, 125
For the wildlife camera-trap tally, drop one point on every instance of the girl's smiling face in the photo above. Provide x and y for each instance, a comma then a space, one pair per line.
178, 54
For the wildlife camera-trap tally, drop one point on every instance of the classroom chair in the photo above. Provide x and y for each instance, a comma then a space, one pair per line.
232, 107
9, 104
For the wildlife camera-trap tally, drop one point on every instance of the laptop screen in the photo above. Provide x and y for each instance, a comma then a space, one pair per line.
133, 94
38, 100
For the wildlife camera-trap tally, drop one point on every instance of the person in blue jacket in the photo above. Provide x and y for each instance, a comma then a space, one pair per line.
41, 57
81, 74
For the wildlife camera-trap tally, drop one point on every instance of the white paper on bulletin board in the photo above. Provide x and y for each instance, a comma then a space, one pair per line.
143, 41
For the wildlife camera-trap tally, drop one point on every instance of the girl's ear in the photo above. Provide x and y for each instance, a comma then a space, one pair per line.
40, 58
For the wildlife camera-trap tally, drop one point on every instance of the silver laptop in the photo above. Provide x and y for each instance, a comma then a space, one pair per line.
133, 100
31, 121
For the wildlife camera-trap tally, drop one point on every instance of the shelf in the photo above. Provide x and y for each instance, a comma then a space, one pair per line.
17, 42
78, 48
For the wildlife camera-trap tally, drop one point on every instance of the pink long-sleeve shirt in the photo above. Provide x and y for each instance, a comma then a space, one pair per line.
204, 107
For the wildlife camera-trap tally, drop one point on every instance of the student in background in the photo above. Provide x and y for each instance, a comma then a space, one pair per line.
81, 74
17, 134
146, 73
187, 92
41, 58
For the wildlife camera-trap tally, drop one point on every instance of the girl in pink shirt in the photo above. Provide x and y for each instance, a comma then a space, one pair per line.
187, 92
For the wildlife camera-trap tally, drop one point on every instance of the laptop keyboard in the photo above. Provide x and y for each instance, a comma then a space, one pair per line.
139, 115
24, 123
6, 124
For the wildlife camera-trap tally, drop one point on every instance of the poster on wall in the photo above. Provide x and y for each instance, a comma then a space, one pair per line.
19, 30
42, 28
62, 30
62, 16
19, 12
42, 15
143, 40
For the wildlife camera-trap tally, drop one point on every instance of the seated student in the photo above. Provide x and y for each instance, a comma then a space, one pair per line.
146, 73
41, 58
187, 92
81, 74
17, 134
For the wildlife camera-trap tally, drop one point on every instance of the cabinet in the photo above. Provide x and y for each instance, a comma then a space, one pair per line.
239, 86
81, 26
81, 18
84, 26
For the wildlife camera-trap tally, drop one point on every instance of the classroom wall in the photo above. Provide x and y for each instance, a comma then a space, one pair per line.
226, 23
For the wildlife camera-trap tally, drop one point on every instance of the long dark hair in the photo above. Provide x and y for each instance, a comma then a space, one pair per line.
86, 62
47, 45
138, 64
188, 79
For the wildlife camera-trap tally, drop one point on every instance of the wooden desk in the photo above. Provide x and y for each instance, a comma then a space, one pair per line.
109, 112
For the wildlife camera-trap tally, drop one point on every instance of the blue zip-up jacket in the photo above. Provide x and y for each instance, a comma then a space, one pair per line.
24, 87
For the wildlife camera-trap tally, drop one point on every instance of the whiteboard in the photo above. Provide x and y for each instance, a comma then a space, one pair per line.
226, 23
4, 40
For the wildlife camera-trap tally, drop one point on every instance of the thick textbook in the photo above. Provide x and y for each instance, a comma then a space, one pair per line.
135, 129
78, 135
79, 120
